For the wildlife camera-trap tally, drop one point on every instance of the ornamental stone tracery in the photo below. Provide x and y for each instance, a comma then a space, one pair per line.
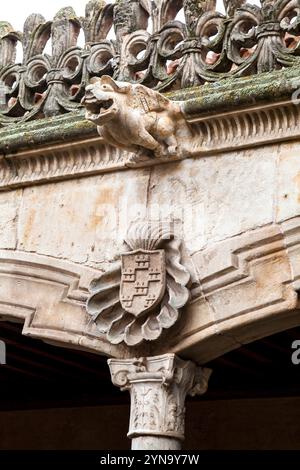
151, 47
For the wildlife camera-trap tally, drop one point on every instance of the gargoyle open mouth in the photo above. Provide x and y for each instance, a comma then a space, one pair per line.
95, 109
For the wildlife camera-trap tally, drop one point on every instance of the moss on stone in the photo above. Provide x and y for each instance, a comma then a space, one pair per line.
64, 128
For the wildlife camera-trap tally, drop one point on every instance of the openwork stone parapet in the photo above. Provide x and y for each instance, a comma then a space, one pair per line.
188, 44
158, 387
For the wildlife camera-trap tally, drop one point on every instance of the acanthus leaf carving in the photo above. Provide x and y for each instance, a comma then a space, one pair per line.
158, 387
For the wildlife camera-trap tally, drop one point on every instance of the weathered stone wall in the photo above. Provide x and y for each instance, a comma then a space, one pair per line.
218, 197
240, 223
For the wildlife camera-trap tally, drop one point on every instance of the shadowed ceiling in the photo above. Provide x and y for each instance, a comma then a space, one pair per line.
39, 375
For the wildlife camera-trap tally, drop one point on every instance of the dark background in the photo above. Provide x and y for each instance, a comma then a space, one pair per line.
54, 398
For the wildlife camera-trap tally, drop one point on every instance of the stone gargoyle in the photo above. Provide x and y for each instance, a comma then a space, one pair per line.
135, 118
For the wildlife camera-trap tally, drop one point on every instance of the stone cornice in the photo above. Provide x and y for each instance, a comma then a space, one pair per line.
238, 94
43, 132
68, 147
198, 102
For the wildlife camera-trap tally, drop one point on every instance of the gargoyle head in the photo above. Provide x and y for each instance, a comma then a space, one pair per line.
101, 99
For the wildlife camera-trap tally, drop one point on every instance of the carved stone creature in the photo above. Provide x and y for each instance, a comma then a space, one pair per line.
134, 118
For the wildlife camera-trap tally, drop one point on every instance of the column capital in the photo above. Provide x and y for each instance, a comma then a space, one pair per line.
158, 387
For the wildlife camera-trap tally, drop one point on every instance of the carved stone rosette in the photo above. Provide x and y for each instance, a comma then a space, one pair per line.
158, 387
144, 292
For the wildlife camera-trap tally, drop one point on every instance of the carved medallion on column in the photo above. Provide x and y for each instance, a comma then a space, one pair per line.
158, 387
145, 291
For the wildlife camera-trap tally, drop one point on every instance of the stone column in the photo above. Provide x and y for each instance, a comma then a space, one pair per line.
158, 387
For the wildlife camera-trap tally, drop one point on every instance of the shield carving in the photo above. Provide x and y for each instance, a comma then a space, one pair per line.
143, 280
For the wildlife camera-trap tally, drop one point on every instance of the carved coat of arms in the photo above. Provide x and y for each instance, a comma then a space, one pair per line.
143, 280
143, 293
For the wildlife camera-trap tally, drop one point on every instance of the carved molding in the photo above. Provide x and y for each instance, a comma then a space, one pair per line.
158, 387
248, 288
212, 134
229, 261
49, 296
202, 45
291, 233
58, 162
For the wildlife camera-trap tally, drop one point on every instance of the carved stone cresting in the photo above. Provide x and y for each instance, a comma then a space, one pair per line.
154, 45
135, 118
212, 135
135, 301
158, 387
